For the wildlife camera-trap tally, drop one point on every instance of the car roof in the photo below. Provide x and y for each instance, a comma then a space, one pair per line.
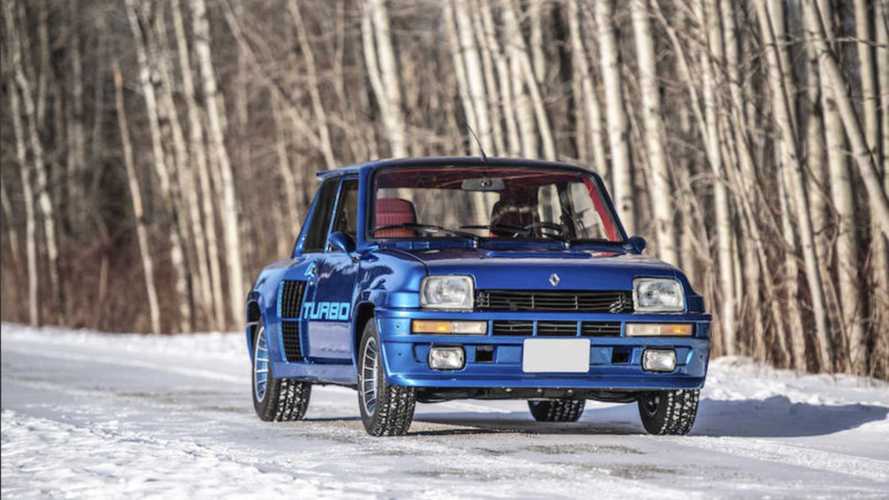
445, 161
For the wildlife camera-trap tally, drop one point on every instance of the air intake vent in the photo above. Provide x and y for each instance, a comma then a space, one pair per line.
600, 329
557, 328
290, 335
513, 328
535, 300
291, 298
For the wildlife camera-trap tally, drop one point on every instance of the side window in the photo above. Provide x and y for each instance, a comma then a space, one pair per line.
316, 235
347, 211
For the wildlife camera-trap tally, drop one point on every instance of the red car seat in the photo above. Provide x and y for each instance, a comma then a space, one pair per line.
394, 211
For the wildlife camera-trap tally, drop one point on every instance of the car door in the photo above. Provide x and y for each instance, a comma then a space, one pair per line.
311, 247
329, 316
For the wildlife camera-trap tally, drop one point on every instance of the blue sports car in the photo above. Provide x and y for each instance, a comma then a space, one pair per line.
448, 278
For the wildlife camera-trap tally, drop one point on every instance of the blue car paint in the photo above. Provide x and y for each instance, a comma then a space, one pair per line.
387, 275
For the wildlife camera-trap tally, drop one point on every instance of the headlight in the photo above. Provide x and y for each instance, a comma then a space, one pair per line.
658, 295
447, 292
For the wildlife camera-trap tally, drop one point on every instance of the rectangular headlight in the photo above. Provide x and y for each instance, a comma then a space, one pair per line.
658, 295
659, 329
659, 360
447, 292
448, 327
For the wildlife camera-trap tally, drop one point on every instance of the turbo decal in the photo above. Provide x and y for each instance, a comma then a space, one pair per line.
329, 311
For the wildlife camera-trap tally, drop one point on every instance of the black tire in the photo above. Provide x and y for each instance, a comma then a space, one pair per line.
669, 412
557, 410
386, 409
283, 400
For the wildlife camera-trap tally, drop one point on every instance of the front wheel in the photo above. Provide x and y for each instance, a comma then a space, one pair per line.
669, 412
277, 400
386, 409
557, 410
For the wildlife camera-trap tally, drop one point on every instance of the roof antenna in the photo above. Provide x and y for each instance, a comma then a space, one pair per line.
479, 143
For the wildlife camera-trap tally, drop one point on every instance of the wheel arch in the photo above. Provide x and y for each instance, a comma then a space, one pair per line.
254, 316
364, 312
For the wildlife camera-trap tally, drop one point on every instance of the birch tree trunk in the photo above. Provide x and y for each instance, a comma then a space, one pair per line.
466, 57
188, 210
661, 191
847, 251
177, 254
25, 173
8, 221
791, 279
44, 203
771, 18
494, 103
847, 243
836, 85
708, 13
524, 72
313, 84
880, 300
138, 212
592, 112
198, 158
524, 113
512, 141
618, 128
231, 236
77, 156
383, 72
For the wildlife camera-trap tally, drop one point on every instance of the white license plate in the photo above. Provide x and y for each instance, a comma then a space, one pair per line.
556, 355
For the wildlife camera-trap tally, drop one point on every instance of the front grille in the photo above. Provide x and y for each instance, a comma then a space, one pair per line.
600, 329
557, 328
291, 298
535, 300
290, 335
513, 328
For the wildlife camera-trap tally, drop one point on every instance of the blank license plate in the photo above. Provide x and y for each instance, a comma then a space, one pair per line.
556, 355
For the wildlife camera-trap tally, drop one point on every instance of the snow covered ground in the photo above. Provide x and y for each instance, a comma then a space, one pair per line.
88, 414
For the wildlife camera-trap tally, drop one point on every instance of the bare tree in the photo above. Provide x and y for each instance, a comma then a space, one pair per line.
230, 233
161, 168
616, 113
138, 211
652, 115
379, 55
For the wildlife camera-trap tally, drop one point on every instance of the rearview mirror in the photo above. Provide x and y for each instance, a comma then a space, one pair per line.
636, 245
483, 184
341, 241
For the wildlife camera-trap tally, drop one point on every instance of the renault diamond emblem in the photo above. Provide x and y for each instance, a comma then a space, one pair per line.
554, 279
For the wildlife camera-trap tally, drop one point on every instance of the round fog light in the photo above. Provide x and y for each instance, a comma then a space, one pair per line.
659, 360
446, 358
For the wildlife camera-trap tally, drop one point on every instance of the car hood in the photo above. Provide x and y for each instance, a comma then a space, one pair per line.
534, 270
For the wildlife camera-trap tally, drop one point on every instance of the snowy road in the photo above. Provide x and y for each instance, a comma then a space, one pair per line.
87, 414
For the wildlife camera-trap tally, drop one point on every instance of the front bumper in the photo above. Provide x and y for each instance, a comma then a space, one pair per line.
615, 362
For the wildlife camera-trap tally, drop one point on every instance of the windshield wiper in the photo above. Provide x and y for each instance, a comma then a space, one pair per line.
526, 231
427, 228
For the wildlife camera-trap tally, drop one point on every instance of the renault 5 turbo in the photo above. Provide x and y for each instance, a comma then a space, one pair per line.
433, 279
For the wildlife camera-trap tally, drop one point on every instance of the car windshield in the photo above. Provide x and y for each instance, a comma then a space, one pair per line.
490, 202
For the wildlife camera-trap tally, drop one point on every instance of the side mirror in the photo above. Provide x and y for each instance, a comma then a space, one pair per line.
341, 241
636, 244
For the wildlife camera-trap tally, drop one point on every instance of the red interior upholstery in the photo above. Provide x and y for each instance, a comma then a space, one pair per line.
392, 211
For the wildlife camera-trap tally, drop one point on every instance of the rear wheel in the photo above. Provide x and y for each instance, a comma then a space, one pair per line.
557, 410
274, 399
386, 409
669, 412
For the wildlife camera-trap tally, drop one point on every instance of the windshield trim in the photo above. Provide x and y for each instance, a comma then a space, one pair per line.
370, 239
